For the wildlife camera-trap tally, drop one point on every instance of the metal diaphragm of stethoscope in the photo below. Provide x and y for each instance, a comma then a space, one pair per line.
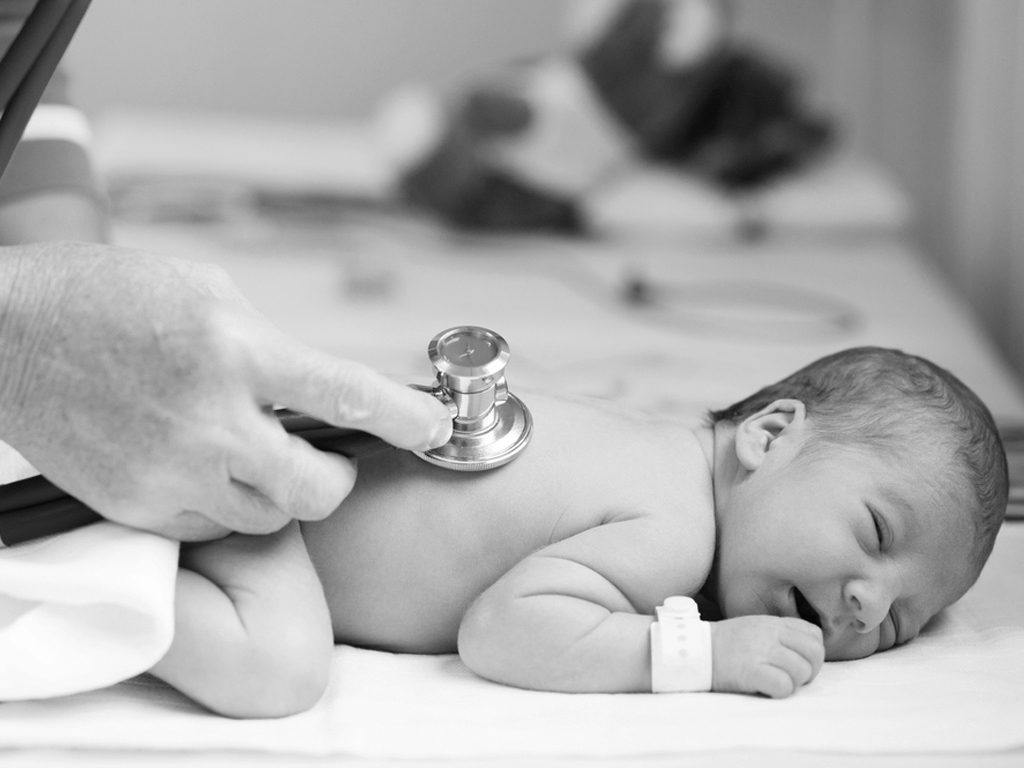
490, 427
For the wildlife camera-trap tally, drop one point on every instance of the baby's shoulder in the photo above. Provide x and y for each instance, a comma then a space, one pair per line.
648, 550
679, 551
647, 554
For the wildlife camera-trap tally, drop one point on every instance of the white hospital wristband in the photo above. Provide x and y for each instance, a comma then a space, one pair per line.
680, 648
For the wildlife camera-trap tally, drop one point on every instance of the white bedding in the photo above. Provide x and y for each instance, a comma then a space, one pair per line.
955, 690
84, 610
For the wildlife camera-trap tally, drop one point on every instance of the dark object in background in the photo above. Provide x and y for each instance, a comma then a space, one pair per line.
751, 128
456, 183
732, 116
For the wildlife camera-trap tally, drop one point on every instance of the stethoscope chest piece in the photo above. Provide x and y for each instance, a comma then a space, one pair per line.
490, 426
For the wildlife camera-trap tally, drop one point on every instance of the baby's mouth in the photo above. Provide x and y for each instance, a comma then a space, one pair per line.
804, 608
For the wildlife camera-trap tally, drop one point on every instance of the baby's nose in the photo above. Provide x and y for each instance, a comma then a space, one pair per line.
867, 603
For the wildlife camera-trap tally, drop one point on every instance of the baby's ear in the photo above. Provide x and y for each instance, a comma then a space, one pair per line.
756, 433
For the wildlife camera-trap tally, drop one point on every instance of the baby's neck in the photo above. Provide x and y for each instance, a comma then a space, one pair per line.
717, 442
706, 436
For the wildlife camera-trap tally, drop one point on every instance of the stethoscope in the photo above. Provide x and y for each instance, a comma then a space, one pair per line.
29, 63
490, 427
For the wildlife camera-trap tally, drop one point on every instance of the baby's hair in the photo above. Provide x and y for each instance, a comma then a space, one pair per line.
878, 399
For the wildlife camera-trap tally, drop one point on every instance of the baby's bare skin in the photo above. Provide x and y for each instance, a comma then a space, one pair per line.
414, 545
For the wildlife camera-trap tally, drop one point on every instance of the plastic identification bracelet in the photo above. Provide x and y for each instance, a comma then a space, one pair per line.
680, 648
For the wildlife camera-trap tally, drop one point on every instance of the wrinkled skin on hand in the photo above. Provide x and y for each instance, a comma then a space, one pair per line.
769, 655
141, 384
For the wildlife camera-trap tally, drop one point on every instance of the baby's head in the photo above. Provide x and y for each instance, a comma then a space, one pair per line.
863, 492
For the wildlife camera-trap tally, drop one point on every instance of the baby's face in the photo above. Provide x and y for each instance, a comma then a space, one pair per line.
867, 548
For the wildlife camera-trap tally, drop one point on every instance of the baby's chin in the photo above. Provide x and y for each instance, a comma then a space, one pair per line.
850, 645
843, 651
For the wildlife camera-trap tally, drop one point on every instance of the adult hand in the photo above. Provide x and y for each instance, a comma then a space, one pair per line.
141, 384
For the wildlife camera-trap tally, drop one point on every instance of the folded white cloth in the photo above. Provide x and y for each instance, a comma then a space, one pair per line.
84, 609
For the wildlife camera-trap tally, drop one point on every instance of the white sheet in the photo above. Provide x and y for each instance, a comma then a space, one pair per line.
957, 689
82, 610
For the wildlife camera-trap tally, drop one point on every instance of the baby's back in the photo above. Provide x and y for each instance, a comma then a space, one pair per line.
413, 545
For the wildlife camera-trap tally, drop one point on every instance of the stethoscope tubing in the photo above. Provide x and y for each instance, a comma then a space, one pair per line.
33, 508
29, 64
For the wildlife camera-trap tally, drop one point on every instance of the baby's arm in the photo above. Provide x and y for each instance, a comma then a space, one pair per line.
557, 621
575, 617
252, 632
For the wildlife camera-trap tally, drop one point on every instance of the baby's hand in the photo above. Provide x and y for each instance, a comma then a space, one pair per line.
770, 655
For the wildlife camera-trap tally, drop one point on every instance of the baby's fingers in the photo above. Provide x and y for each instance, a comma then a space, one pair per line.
806, 640
783, 675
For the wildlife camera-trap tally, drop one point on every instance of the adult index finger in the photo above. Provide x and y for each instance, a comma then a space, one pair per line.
348, 394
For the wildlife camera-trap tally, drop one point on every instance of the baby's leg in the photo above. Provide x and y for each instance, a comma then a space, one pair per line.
252, 632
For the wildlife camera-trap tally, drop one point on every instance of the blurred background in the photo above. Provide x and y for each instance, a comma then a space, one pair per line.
930, 90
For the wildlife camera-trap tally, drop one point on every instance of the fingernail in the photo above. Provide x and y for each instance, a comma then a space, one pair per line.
442, 434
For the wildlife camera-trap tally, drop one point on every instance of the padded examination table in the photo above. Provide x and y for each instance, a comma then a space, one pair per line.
648, 322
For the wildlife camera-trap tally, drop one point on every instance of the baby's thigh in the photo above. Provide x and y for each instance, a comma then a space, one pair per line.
252, 635
272, 572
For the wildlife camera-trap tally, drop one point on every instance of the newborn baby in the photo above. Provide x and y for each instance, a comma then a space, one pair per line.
827, 516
